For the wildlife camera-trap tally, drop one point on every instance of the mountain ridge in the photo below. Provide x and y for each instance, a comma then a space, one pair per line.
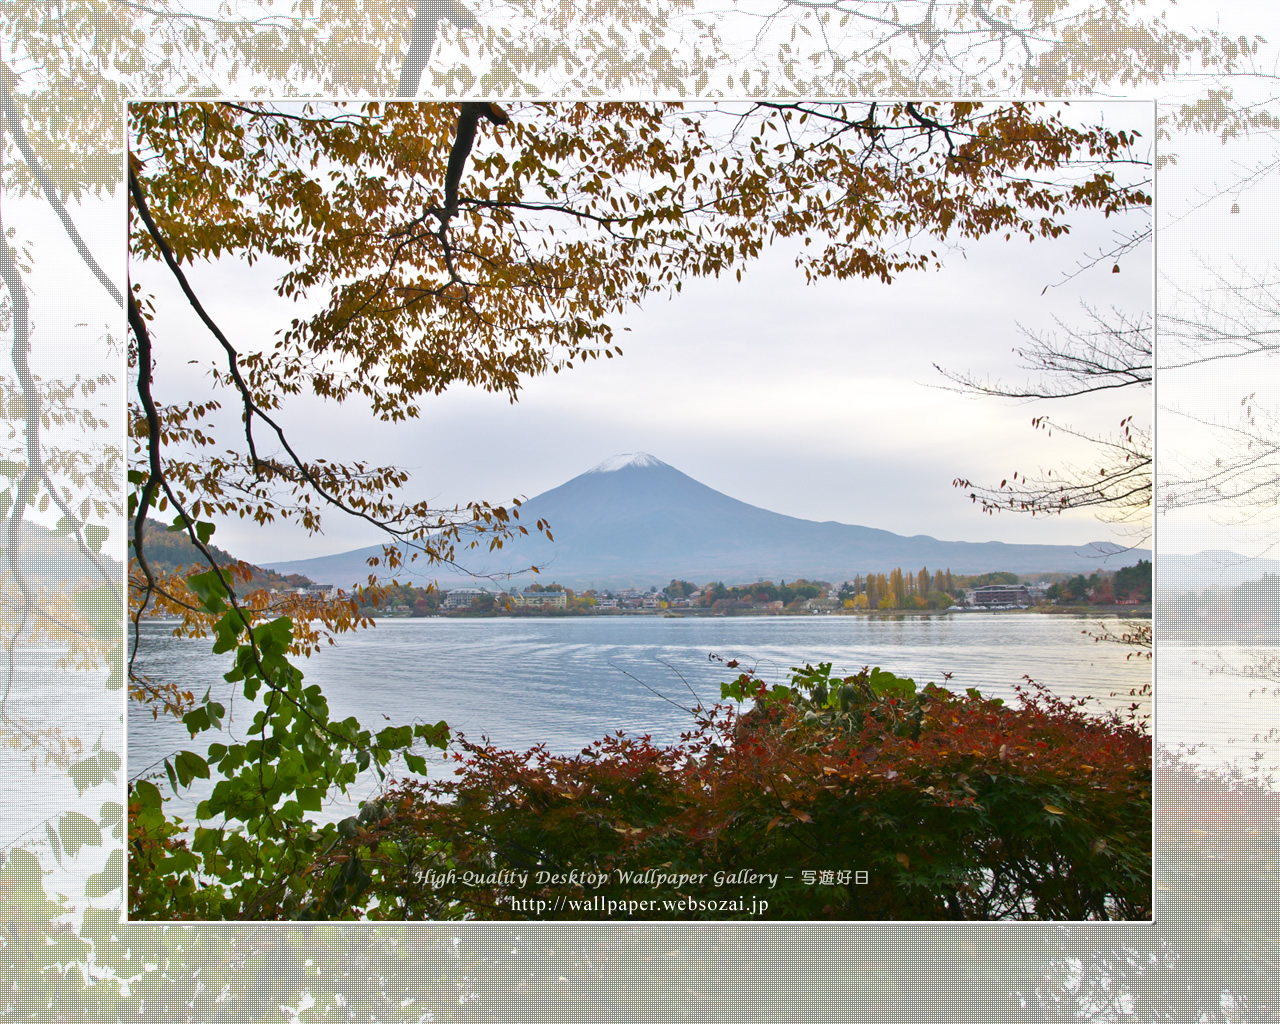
635, 520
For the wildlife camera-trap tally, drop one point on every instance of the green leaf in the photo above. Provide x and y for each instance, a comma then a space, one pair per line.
395, 737
103, 607
147, 795
94, 770
275, 636
416, 763
190, 766
196, 720
204, 531
886, 684
27, 889
434, 735
76, 831
111, 815
227, 631
110, 878
209, 588
115, 676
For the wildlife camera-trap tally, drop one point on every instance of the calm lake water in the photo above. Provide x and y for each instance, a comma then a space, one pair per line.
568, 681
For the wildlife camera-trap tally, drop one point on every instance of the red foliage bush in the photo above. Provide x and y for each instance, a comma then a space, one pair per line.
863, 799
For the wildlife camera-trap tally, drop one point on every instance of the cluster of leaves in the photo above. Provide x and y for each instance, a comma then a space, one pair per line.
641, 196
252, 856
958, 807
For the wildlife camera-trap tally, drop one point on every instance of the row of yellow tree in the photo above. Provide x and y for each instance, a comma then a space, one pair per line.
899, 590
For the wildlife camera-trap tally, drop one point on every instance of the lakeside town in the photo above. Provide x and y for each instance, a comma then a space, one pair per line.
1123, 591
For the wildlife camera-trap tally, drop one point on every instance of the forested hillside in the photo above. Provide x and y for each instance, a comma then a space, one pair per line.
171, 550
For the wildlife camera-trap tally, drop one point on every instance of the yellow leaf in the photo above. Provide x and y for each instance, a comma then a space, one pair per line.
1053, 809
903, 859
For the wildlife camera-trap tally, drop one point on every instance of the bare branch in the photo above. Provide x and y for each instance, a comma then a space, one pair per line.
1116, 353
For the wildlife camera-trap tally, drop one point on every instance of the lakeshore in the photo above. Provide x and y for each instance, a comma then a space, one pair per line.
1088, 612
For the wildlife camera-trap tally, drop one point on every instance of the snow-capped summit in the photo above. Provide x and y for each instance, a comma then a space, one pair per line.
616, 462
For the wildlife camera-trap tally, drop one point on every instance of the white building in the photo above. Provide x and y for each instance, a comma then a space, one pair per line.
462, 597
1001, 595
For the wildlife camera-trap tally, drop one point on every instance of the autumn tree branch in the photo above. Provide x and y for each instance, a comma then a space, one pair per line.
252, 409
427, 15
46, 183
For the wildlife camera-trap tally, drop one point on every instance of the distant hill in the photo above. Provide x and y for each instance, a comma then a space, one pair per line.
1211, 569
50, 559
634, 520
171, 551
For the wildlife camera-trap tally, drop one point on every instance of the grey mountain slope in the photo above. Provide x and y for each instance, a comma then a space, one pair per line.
638, 521
1211, 569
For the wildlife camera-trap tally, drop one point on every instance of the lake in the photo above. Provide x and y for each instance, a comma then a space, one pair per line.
568, 681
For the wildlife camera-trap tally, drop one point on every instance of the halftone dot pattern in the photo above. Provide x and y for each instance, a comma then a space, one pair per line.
1212, 953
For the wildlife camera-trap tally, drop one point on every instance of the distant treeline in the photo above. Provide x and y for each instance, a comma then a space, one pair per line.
1130, 584
896, 590
1247, 609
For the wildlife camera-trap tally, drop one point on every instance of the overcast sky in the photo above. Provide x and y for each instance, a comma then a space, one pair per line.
817, 401
808, 400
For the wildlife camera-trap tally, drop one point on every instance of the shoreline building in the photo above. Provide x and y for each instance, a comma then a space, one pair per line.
1001, 595
553, 599
461, 597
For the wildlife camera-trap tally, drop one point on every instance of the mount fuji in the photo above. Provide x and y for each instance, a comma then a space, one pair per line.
633, 520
